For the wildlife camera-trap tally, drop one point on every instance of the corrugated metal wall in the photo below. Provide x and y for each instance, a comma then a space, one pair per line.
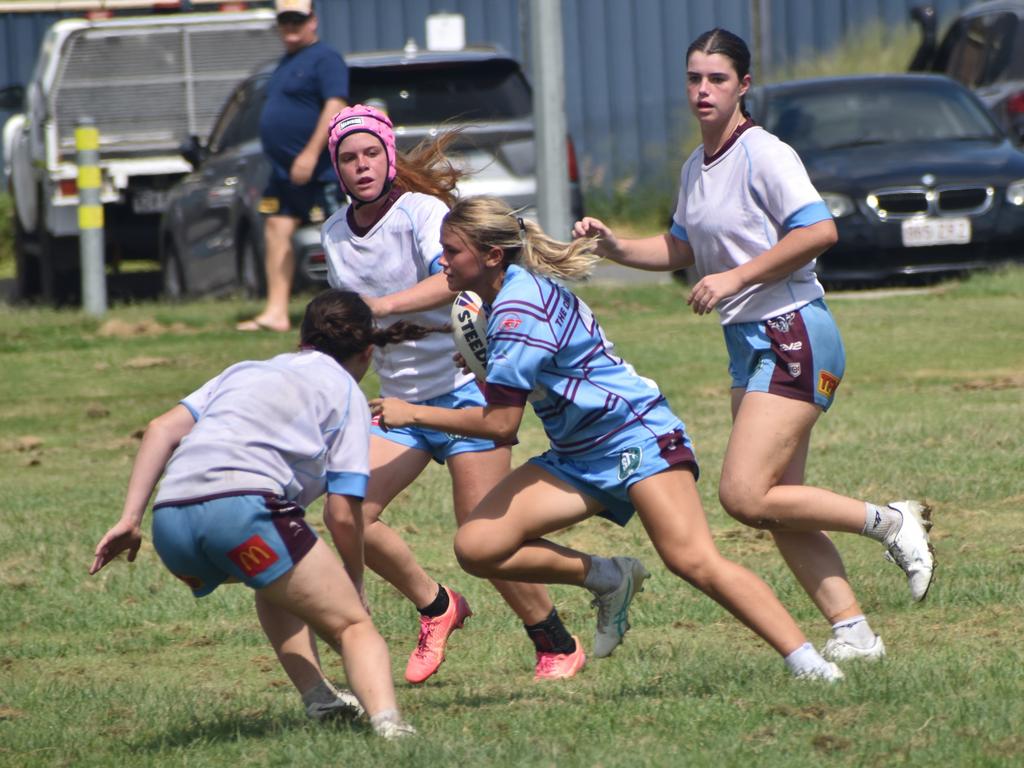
624, 87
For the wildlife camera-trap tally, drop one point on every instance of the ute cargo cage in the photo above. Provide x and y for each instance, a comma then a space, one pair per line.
149, 83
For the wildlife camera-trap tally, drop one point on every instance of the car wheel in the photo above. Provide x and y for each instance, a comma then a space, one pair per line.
26, 263
251, 273
172, 274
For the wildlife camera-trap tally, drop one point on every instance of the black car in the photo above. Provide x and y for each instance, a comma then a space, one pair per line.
916, 173
212, 233
983, 48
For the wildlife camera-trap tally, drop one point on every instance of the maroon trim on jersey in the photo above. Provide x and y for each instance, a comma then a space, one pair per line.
389, 201
793, 376
499, 394
748, 123
295, 532
673, 450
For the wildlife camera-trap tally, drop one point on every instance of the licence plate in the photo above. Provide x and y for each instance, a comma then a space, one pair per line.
149, 200
920, 232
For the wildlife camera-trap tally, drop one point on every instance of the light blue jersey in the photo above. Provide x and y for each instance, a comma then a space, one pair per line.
592, 403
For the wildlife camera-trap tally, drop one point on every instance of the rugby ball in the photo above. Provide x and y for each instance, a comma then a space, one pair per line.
469, 329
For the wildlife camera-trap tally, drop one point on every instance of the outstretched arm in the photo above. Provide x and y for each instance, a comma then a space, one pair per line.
659, 253
496, 422
426, 294
158, 443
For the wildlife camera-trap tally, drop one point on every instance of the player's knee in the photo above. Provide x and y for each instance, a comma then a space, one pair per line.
743, 505
691, 565
473, 557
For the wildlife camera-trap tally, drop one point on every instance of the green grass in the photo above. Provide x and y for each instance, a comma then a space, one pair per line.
126, 668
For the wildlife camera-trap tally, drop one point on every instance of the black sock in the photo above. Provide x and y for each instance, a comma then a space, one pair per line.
439, 606
550, 635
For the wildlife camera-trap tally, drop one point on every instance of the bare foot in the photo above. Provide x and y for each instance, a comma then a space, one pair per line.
259, 324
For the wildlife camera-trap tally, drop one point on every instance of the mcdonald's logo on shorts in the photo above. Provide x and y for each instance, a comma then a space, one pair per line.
827, 383
253, 555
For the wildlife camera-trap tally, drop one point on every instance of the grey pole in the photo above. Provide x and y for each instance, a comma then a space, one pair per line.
548, 68
90, 218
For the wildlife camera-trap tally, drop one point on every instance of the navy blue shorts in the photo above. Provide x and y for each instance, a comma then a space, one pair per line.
311, 203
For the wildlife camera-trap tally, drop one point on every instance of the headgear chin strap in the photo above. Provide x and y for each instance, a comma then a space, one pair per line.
362, 118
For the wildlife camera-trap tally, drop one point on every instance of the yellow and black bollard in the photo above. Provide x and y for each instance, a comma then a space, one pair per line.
90, 219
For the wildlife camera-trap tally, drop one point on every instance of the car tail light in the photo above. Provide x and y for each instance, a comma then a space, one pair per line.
574, 171
68, 187
317, 258
1015, 104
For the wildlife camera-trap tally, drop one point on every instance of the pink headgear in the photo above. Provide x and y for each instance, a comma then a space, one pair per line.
354, 119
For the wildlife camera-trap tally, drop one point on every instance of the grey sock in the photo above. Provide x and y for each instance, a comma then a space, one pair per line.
880, 522
321, 693
854, 631
804, 660
604, 575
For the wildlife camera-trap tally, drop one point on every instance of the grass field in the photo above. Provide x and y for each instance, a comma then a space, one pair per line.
125, 668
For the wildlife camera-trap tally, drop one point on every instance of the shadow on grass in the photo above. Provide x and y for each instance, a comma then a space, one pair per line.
235, 727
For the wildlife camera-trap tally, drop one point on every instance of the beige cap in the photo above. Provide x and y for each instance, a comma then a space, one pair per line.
305, 7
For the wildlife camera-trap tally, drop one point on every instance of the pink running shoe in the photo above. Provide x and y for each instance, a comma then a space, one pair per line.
559, 666
434, 632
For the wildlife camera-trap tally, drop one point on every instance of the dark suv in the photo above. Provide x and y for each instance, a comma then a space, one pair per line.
212, 233
983, 48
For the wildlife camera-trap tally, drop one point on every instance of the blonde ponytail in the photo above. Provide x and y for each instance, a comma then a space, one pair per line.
488, 222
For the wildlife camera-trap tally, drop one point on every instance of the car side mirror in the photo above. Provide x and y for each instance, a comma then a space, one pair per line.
12, 97
193, 151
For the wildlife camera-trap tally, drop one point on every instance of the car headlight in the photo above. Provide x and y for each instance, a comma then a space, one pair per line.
1015, 192
838, 205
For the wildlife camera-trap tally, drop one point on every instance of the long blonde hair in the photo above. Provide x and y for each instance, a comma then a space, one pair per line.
488, 222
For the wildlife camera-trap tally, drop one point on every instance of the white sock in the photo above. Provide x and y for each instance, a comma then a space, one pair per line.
805, 660
385, 716
881, 522
604, 575
321, 693
855, 631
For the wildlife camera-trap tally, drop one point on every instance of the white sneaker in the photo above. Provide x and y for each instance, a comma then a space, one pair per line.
394, 729
613, 607
345, 707
840, 650
910, 549
829, 673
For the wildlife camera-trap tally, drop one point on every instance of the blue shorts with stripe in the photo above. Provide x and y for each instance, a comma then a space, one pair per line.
254, 538
798, 355
440, 445
607, 479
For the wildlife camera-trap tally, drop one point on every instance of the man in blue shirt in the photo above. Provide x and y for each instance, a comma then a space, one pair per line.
309, 86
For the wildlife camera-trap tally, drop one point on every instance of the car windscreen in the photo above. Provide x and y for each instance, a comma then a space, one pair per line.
430, 94
875, 112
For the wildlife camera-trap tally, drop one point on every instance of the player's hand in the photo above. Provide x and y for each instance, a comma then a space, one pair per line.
588, 226
460, 362
123, 537
711, 289
391, 412
302, 168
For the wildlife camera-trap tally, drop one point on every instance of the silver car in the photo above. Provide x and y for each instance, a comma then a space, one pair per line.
211, 236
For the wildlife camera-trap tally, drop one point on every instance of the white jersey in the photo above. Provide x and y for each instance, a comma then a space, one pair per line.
399, 251
296, 425
739, 205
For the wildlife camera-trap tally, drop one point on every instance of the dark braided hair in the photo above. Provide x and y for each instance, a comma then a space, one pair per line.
340, 324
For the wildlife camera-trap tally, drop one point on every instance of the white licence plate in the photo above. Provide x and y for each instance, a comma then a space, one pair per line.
149, 201
918, 232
